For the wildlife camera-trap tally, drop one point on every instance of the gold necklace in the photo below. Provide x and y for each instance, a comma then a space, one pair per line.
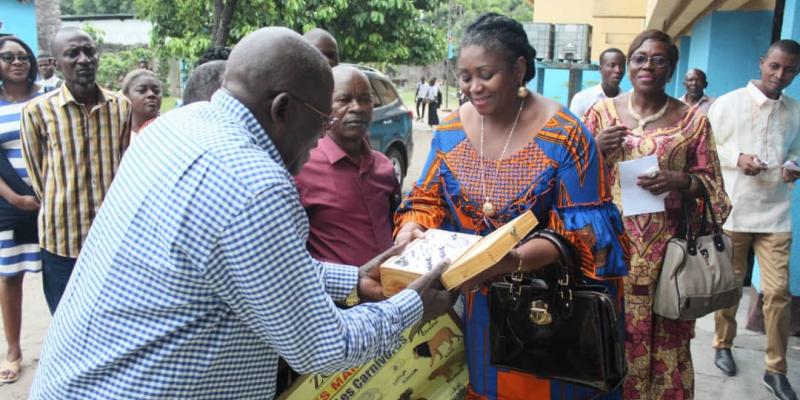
488, 208
642, 121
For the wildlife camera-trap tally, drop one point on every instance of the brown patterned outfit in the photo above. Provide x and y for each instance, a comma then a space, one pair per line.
659, 359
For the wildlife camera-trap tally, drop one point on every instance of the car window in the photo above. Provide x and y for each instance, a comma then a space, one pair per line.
384, 88
376, 100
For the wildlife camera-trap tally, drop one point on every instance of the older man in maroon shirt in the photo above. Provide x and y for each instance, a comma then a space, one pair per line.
349, 191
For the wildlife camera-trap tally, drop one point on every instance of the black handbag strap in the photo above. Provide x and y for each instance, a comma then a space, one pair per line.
706, 218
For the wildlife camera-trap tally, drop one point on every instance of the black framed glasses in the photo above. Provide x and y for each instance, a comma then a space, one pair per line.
327, 120
641, 59
8, 58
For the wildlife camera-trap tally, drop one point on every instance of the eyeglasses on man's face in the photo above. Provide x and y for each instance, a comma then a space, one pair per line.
641, 59
8, 58
327, 120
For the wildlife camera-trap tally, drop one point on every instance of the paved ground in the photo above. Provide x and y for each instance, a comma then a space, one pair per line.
35, 320
710, 384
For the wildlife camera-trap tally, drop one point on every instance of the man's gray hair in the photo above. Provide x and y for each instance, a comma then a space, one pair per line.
203, 82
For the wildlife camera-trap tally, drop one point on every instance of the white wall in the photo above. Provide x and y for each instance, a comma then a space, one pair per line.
115, 31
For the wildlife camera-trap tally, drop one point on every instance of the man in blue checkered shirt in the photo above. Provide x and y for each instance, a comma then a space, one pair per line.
195, 276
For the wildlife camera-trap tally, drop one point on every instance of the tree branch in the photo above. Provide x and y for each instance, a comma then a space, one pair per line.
223, 16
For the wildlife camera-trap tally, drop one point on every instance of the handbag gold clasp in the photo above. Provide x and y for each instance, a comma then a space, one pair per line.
539, 314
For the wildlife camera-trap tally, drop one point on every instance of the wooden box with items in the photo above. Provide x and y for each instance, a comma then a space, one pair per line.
469, 254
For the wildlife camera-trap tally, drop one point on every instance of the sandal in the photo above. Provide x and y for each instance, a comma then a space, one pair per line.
11, 370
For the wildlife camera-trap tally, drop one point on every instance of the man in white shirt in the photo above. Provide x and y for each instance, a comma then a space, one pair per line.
695, 83
47, 72
422, 91
433, 98
612, 70
757, 130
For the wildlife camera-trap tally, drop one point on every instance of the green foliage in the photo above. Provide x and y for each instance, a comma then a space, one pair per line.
96, 33
114, 65
462, 12
86, 7
368, 31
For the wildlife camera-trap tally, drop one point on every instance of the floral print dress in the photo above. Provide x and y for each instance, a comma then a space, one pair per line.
659, 359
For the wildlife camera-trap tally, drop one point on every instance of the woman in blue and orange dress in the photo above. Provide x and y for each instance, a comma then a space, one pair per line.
502, 153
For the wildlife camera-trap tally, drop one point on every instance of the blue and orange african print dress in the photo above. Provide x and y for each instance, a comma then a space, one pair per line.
557, 175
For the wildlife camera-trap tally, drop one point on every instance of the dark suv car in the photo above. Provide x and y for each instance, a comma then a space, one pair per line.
390, 132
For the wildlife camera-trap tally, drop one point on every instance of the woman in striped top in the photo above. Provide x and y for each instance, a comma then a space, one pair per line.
19, 248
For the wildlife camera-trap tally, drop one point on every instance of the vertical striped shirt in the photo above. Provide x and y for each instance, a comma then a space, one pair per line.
195, 276
71, 154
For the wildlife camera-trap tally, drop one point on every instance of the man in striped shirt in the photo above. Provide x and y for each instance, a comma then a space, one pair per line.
195, 276
72, 141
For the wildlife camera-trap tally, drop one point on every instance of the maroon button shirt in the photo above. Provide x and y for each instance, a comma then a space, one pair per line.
349, 205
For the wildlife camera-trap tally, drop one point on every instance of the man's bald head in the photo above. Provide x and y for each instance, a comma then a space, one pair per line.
64, 35
277, 59
286, 84
347, 72
76, 56
351, 105
325, 43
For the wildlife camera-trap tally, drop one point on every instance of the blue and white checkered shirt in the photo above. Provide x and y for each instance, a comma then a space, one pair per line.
195, 276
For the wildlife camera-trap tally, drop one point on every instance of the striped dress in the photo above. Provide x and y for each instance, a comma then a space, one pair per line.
15, 258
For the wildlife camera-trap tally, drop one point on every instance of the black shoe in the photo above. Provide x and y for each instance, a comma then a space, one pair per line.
779, 386
724, 361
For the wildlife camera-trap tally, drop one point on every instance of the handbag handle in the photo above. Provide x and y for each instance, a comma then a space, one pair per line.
568, 258
706, 214
568, 273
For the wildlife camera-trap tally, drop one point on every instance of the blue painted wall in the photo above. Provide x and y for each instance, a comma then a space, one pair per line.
791, 21
675, 87
699, 49
791, 30
727, 53
19, 20
556, 83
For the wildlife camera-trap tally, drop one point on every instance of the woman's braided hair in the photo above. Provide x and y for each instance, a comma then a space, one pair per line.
498, 32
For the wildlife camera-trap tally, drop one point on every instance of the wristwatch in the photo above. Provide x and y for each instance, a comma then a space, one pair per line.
352, 299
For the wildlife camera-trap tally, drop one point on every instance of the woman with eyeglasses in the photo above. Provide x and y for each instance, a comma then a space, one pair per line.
19, 242
644, 122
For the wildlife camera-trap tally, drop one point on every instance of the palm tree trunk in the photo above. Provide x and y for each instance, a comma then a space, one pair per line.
48, 21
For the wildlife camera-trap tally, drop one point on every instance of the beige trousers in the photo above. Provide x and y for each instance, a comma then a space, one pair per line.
772, 252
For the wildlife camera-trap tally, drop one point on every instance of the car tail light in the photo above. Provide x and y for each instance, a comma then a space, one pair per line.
410, 114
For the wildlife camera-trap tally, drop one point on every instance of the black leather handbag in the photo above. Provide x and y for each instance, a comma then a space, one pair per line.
553, 325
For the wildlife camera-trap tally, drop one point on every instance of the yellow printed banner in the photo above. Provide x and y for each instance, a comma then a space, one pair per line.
430, 365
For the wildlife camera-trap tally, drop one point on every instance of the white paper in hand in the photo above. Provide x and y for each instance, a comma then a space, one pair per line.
636, 200
791, 166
